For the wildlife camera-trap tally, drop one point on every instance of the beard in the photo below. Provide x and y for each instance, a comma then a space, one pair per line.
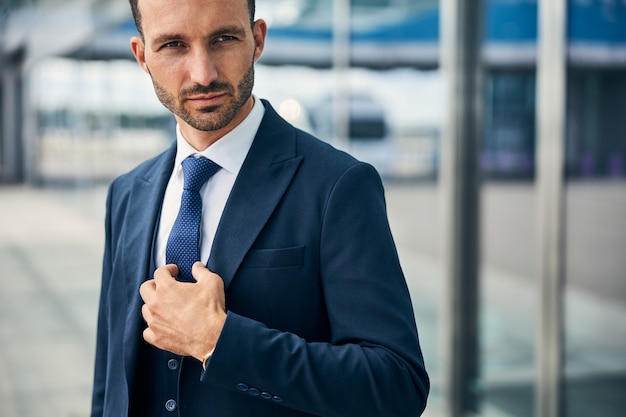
210, 118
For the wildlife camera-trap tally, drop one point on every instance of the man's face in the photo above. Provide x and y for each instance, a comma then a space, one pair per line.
200, 55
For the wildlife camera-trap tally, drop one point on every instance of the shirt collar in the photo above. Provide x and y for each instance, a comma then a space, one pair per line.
230, 151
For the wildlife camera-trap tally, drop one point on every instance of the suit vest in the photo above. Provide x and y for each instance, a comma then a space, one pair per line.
160, 377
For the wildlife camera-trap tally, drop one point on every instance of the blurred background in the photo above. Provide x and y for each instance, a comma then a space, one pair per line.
367, 76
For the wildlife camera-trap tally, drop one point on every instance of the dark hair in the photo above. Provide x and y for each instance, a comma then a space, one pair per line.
137, 16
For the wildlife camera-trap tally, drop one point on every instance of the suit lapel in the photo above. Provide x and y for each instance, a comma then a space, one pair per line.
145, 203
266, 173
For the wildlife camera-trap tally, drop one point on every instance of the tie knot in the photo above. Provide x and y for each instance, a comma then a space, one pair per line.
198, 171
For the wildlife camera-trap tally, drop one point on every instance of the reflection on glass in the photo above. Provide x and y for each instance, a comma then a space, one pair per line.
595, 350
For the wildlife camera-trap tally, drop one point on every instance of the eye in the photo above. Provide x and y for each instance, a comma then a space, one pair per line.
173, 44
226, 38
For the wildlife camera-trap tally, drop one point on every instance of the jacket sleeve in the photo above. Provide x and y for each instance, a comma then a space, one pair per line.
373, 364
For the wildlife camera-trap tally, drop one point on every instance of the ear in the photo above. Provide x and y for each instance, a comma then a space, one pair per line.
259, 32
138, 48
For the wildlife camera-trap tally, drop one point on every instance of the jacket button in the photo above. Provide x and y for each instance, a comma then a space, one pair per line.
277, 399
266, 395
170, 405
254, 391
172, 364
242, 387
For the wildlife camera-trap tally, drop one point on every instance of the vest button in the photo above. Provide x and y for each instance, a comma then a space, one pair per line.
170, 405
172, 364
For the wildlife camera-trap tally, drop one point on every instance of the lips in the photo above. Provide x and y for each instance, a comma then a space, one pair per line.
206, 99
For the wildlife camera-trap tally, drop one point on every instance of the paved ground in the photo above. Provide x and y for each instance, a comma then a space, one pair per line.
51, 245
49, 257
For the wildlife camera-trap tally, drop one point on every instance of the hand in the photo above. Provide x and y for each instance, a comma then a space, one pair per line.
184, 318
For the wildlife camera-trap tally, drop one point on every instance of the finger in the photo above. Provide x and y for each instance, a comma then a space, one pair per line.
146, 314
169, 270
212, 282
166, 272
148, 336
201, 272
147, 290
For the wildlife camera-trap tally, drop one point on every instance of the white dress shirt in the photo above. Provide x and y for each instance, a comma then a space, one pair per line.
229, 153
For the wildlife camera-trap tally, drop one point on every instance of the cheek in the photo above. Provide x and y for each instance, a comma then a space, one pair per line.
166, 76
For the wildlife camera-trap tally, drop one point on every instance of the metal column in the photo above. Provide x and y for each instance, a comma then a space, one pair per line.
461, 40
11, 95
341, 68
551, 130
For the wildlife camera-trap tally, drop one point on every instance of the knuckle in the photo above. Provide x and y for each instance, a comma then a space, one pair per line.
145, 312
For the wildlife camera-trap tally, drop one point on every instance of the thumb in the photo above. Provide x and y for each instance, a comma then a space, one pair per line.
212, 282
201, 272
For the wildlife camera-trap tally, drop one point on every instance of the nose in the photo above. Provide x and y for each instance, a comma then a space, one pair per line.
202, 68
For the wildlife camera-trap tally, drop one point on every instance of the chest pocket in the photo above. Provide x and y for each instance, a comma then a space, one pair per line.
274, 258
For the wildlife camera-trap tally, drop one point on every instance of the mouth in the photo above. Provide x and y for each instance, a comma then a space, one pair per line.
206, 100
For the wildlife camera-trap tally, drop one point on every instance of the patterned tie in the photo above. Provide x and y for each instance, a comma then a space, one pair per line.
183, 244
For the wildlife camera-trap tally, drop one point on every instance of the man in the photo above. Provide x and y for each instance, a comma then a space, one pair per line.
302, 308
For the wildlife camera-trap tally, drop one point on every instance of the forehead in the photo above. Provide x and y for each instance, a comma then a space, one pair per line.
159, 16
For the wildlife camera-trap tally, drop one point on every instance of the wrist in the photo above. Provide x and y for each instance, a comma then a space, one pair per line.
204, 359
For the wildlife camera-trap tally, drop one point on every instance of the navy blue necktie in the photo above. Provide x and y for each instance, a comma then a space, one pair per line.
183, 244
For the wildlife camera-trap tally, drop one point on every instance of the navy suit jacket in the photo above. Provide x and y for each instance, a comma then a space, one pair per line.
319, 320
